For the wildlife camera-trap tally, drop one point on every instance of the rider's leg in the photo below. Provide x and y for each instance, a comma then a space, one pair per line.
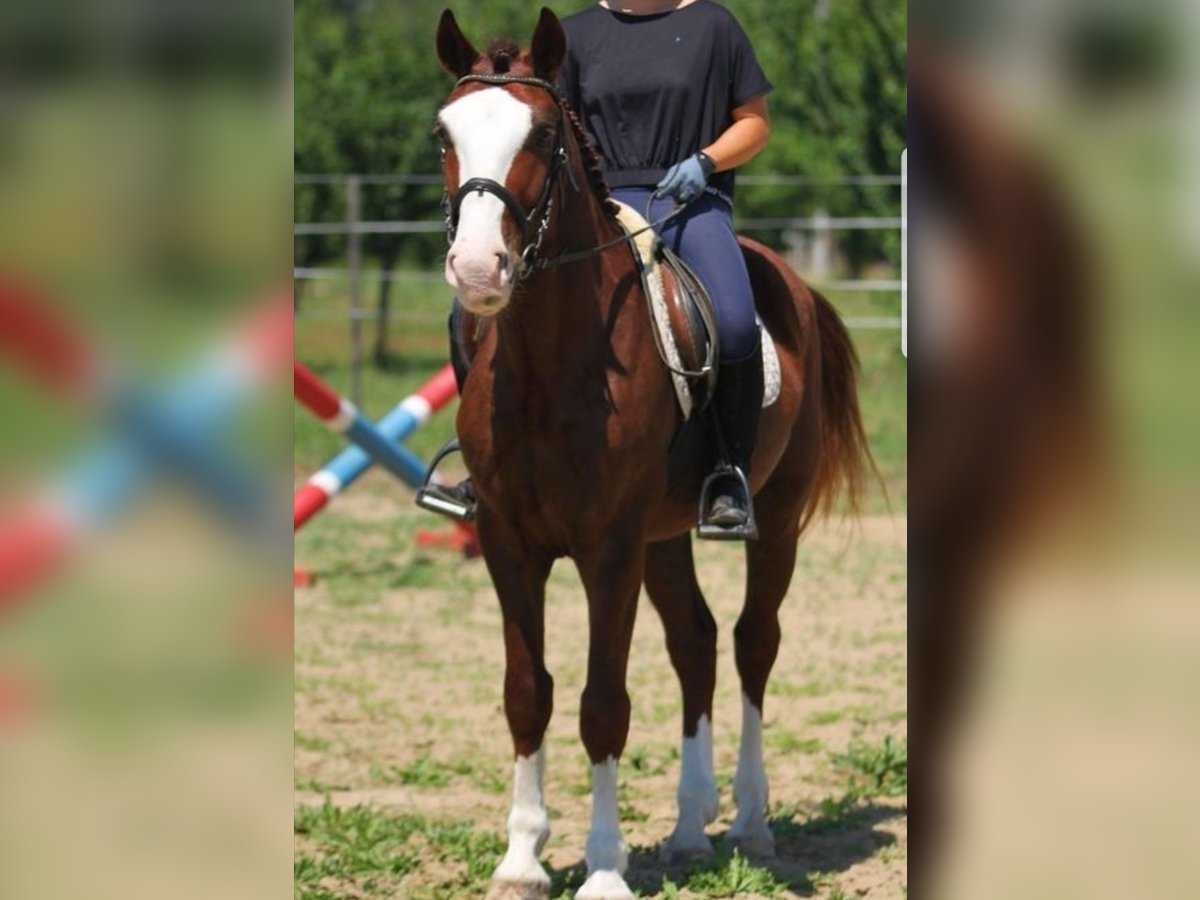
704, 237
454, 500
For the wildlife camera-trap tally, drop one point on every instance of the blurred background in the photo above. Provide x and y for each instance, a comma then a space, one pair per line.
144, 334
1053, 677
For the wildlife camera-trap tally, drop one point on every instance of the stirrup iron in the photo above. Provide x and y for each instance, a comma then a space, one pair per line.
433, 497
747, 531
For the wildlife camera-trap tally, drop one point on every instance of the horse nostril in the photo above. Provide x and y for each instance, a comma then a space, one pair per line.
502, 260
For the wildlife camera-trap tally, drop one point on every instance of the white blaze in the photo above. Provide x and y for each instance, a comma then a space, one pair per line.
488, 128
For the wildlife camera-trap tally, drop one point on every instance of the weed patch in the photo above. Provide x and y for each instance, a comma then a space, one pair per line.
360, 850
729, 876
876, 769
423, 772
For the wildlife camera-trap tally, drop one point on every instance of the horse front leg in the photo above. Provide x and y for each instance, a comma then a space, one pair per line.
692, 643
612, 577
519, 574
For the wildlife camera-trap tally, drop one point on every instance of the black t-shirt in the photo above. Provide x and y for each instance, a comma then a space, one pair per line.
652, 90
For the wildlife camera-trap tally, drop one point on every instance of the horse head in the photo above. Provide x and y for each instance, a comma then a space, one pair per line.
503, 145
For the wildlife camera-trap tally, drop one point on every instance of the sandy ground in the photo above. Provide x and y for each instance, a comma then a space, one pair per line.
399, 667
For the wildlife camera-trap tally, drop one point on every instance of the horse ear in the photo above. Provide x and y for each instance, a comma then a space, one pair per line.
454, 50
549, 47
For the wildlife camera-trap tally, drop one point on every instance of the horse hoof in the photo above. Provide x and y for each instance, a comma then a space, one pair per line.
757, 842
604, 885
519, 890
681, 851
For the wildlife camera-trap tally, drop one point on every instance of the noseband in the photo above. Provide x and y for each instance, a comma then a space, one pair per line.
532, 235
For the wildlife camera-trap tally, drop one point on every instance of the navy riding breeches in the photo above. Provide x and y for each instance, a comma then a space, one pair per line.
703, 236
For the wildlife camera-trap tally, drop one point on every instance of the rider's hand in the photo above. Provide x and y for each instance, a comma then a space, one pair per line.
686, 180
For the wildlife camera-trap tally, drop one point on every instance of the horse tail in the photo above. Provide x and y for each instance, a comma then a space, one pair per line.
845, 455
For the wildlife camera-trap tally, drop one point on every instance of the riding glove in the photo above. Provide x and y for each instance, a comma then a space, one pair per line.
686, 180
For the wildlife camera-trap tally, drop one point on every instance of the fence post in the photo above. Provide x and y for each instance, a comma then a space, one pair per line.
824, 247
354, 262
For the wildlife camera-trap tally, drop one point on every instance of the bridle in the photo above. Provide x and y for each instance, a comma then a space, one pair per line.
532, 235
531, 261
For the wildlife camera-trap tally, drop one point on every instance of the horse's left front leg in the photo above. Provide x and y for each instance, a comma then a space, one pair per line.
612, 577
519, 574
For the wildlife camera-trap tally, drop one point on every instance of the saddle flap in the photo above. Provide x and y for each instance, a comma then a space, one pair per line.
680, 313
693, 321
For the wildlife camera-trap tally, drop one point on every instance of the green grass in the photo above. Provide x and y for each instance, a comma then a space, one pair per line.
827, 882
363, 851
357, 845
314, 786
876, 769
831, 816
883, 399
728, 876
422, 772
826, 717
641, 761
813, 688
788, 742
309, 742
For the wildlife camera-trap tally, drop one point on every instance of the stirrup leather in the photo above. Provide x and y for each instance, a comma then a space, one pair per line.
433, 497
747, 531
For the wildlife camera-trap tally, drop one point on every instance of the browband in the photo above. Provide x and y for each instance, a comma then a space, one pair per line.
508, 79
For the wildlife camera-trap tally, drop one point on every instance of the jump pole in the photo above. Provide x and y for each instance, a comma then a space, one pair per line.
37, 536
407, 416
341, 416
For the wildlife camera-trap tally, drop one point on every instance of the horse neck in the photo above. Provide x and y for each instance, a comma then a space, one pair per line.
563, 310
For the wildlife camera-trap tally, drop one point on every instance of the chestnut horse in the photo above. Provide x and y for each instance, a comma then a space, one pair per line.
573, 438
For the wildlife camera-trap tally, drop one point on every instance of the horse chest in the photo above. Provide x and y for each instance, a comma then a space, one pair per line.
557, 462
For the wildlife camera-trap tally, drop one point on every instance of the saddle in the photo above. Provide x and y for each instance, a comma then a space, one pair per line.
681, 313
684, 320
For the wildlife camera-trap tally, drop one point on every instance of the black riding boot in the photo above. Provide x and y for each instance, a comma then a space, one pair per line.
730, 513
454, 500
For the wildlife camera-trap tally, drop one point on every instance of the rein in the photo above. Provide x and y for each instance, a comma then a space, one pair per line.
531, 261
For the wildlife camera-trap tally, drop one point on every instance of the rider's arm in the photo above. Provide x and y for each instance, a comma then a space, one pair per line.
744, 139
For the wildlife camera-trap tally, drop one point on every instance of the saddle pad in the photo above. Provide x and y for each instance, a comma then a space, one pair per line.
643, 246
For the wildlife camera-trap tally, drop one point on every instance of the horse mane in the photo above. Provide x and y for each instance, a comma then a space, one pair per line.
591, 158
504, 57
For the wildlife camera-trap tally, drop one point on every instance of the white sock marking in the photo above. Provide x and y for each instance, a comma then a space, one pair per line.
605, 848
750, 783
528, 824
697, 793
606, 854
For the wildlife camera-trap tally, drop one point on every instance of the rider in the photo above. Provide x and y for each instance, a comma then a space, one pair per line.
675, 100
